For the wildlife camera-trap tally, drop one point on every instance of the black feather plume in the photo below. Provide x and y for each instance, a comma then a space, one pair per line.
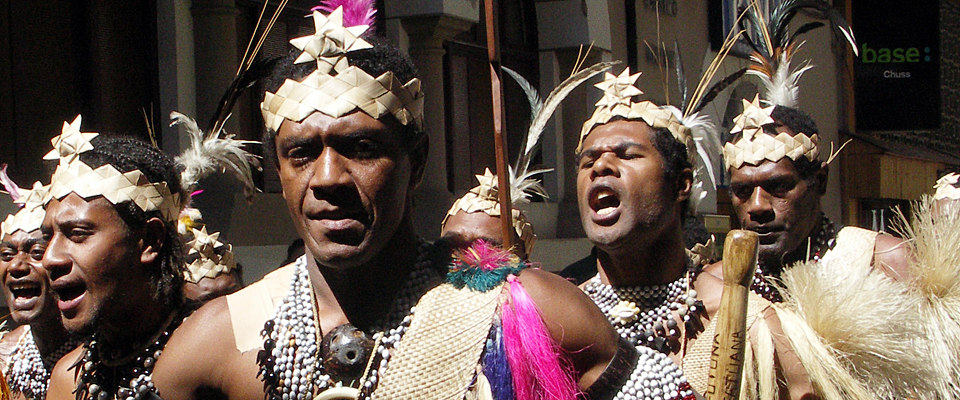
718, 87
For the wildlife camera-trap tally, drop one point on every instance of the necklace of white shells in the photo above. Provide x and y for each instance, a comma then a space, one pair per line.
296, 363
643, 314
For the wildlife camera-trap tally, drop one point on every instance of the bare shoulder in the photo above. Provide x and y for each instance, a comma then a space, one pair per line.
893, 256
62, 378
574, 321
715, 269
201, 359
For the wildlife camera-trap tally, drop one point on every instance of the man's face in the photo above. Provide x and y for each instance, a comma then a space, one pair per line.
347, 182
621, 190
774, 201
26, 289
463, 228
93, 260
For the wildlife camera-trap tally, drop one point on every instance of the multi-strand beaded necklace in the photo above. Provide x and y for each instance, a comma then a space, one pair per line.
823, 239
128, 377
291, 364
29, 372
644, 314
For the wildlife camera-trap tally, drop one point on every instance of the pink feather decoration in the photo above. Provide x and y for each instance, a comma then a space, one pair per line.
540, 370
486, 256
8, 184
355, 12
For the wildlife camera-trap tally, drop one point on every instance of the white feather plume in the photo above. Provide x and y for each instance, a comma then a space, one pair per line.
209, 152
782, 89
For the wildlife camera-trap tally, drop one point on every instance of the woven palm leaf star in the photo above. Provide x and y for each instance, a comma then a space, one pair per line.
204, 243
754, 117
618, 90
946, 187
331, 42
70, 143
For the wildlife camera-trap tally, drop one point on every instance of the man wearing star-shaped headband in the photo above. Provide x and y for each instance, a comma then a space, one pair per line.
634, 184
370, 310
28, 352
776, 183
114, 257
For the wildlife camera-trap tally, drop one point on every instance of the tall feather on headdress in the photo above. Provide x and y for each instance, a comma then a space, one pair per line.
772, 56
521, 177
209, 152
706, 138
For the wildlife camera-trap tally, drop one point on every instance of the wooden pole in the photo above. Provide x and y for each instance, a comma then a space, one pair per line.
500, 140
726, 361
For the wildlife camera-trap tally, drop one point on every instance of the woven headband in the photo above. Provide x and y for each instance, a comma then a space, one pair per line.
756, 146
29, 218
616, 102
947, 187
336, 88
74, 176
483, 198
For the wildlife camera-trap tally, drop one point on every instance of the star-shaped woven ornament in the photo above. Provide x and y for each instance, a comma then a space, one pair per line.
204, 243
70, 143
947, 187
753, 118
331, 42
618, 90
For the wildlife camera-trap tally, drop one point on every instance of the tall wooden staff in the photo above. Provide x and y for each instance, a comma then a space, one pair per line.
729, 344
503, 177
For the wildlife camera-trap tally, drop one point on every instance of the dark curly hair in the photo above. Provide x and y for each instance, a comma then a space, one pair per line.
798, 121
384, 56
127, 154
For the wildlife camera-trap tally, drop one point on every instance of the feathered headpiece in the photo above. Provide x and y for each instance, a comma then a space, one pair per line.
75, 176
947, 187
31, 213
772, 57
523, 184
336, 88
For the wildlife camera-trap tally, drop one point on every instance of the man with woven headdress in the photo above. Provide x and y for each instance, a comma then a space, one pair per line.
476, 216
776, 176
29, 352
635, 163
371, 309
114, 260
776, 183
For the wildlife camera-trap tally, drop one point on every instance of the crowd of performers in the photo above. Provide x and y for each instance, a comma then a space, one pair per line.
119, 291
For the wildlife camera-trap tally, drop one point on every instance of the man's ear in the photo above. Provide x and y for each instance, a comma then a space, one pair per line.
684, 184
154, 236
821, 177
418, 160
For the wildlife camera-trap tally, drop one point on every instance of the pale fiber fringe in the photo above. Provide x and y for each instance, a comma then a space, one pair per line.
935, 240
856, 332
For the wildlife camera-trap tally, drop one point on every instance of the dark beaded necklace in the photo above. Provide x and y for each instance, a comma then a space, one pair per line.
823, 239
126, 378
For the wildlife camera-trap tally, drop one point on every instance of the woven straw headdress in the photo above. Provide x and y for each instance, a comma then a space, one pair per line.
771, 58
337, 88
947, 187
483, 198
74, 176
30, 216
